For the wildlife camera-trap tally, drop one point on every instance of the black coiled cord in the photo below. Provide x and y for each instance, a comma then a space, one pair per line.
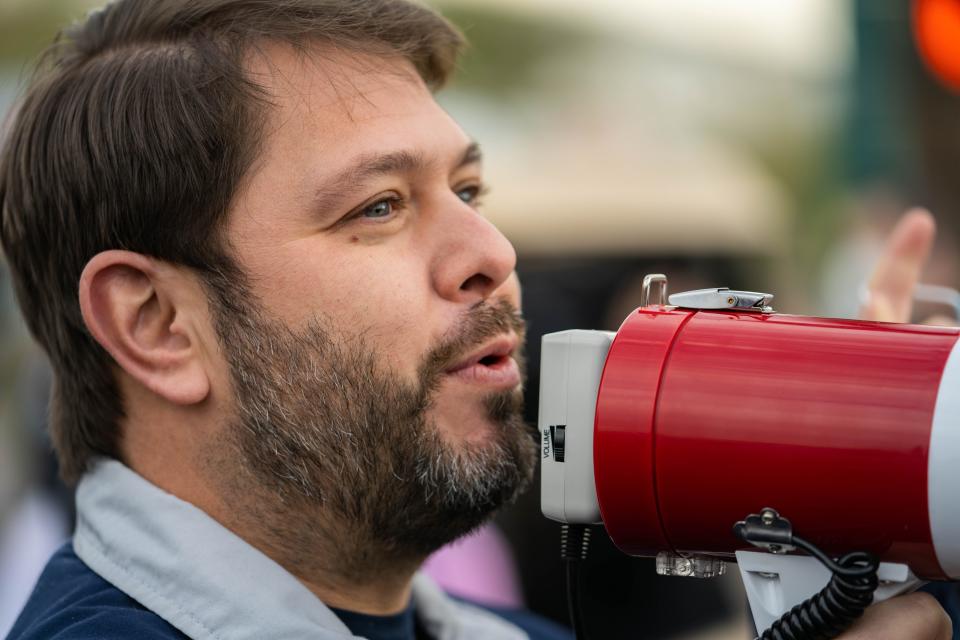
837, 606
574, 544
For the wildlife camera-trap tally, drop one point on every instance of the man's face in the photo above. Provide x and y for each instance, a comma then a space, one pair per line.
383, 323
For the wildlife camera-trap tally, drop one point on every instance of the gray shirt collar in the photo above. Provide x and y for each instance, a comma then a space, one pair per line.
210, 584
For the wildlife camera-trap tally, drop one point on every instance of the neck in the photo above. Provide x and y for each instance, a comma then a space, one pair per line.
341, 563
378, 597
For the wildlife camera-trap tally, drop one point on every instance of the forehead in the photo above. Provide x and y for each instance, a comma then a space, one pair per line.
335, 100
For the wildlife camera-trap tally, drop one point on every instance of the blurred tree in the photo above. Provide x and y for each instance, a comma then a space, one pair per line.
507, 47
27, 27
904, 126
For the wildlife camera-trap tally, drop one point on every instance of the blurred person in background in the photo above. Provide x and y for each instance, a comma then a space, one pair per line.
34, 506
292, 368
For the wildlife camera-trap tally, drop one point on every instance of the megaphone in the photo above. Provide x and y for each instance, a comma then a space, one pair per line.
710, 429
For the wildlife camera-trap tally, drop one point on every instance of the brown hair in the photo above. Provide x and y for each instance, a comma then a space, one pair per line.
134, 134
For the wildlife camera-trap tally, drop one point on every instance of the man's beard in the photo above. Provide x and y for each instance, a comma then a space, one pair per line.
343, 447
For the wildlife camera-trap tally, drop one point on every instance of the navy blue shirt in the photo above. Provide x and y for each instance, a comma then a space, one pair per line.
401, 626
71, 602
948, 593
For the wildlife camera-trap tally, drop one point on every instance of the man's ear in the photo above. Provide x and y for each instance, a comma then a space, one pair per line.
144, 313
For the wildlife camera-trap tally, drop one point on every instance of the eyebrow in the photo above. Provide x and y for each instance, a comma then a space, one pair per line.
349, 181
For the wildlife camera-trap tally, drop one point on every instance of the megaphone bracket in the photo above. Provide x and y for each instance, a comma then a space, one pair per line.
776, 582
767, 530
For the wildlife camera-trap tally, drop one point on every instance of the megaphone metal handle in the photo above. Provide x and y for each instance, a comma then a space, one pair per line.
654, 290
723, 298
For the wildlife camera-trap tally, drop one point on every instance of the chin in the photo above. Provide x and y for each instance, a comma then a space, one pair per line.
476, 432
461, 420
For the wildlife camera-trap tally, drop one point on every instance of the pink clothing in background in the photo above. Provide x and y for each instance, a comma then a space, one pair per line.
479, 568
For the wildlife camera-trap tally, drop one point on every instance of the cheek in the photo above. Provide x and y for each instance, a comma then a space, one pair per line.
391, 315
385, 298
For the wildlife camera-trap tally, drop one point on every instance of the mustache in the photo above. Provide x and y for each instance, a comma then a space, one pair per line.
481, 323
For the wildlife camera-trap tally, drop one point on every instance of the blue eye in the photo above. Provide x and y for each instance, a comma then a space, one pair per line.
470, 194
380, 209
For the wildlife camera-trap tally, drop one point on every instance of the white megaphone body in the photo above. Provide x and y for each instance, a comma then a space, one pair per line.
704, 429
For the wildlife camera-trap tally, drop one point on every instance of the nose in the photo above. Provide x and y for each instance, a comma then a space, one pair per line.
474, 259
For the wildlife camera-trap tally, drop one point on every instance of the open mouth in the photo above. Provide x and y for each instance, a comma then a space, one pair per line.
491, 360
491, 365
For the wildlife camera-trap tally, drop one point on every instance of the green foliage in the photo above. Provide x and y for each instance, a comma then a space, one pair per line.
28, 27
507, 48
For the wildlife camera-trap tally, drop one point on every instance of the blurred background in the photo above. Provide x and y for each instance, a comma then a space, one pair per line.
750, 144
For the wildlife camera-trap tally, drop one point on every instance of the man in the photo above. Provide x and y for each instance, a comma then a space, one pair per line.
286, 344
